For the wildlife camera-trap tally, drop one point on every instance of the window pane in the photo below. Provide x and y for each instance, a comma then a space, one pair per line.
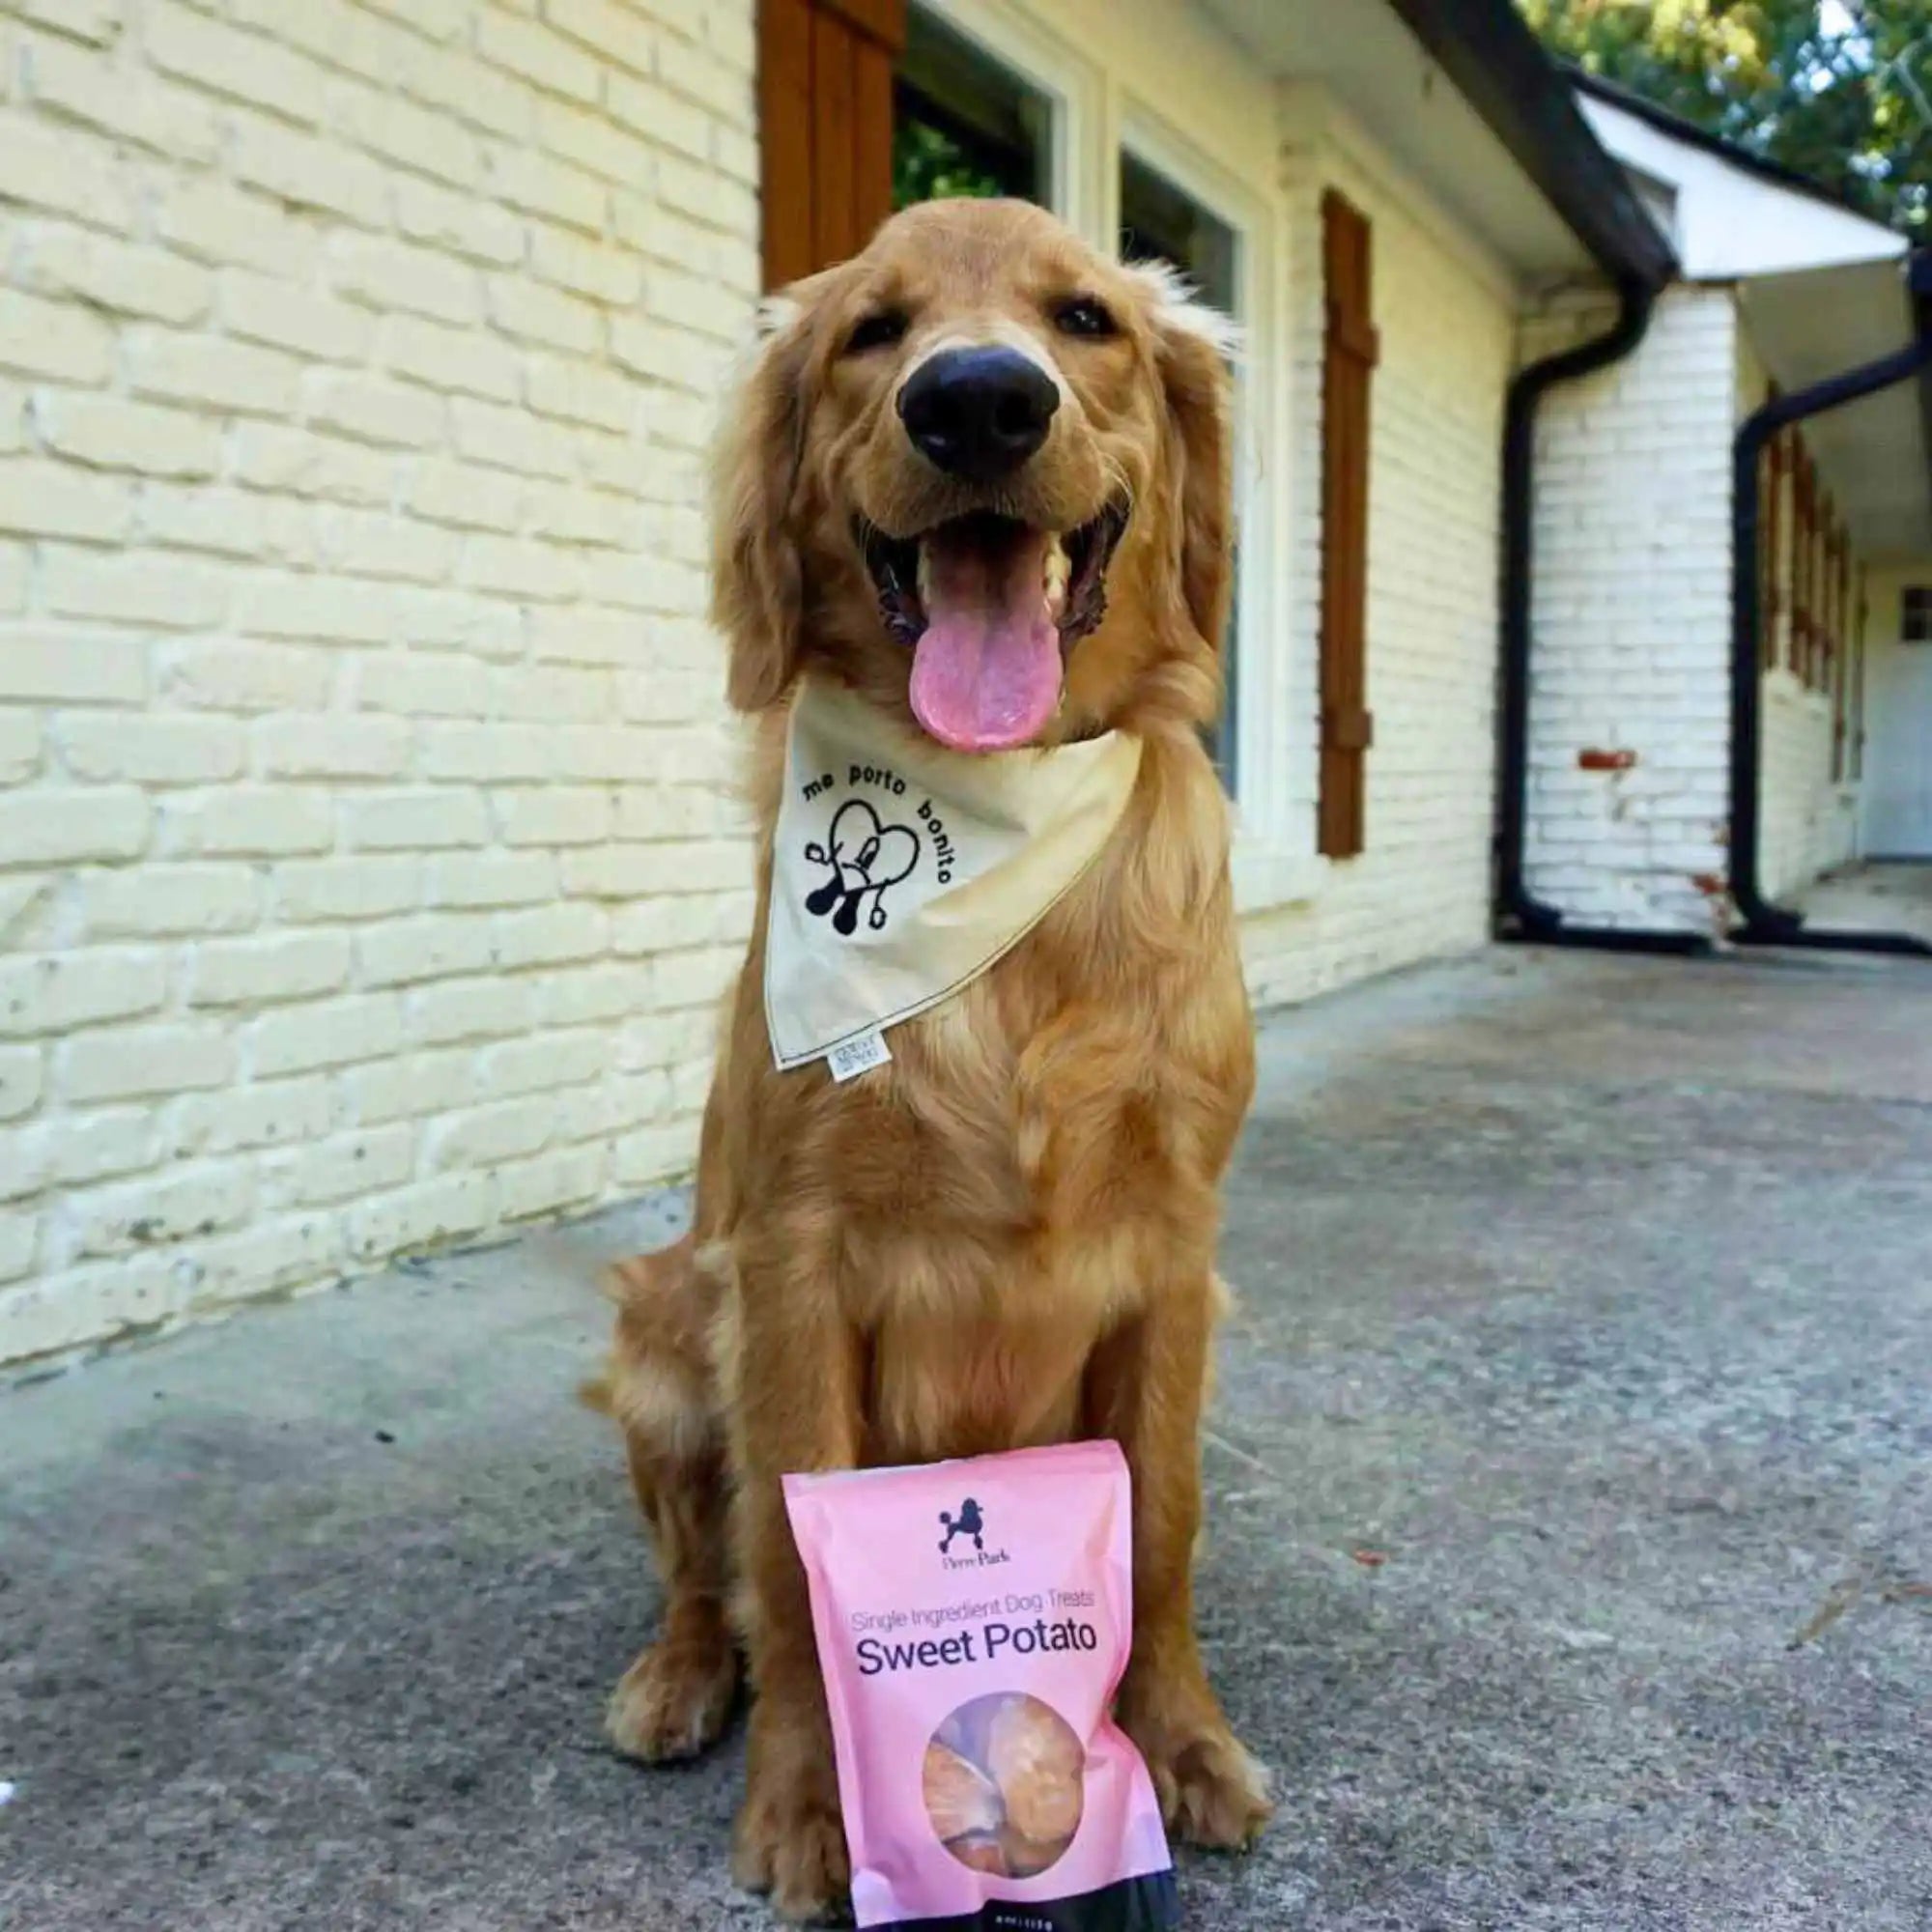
963, 123
1160, 222
1919, 614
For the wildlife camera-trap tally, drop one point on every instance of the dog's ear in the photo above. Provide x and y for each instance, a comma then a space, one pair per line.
757, 578
1193, 346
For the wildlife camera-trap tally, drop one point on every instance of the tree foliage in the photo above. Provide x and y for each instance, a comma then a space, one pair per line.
1839, 90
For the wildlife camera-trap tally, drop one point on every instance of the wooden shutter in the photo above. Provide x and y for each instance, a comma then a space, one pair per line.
1352, 350
825, 110
1805, 486
1770, 542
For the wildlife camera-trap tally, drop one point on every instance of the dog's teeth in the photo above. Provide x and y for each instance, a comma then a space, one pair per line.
1058, 570
924, 573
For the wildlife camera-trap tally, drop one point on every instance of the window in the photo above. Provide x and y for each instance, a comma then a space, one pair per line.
1162, 222
965, 122
1916, 617
825, 106
1349, 356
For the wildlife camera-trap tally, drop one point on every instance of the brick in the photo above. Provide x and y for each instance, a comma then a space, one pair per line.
582, 516
533, 694
658, 116
491, 879
666, 924
109, 434
359, 887
581, 635
127, 105
479, 230
609, 30
262, 1114
132, 1062
700, 75
569, 1058
159, 1209
421, 683
654, 1154
96, 21
19, 746
61, 666
24, 902
252, 821
369, 544
691, 302
345, 1168
591, 269
214, 220
484, 96
378, 119
589, 139
645, 584
466, 495
423, 1216
410, 1086
375, 410
534, 54
387, 275
272, 455
610, 752
491, 753
334, 1033
547, 935
330, 744
456, 621
512, 439
153, 750
110, 1299
265, 970
449, 359
43, 827
668, 697
580, 392
468, 1009
19, 1239
228, 523
532, 312
555, 815
245, 677
212, 370
519, 567
668, 355
44, 338
401, 952
118, 276
72, 173
550, 1183
59, 992
434, 20
308, 172
288, 315
485, 1135
161, 900
133, 587
242, 67
586, 995
397, 820
539, 184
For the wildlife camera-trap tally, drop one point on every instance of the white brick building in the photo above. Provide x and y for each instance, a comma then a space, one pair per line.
369, 859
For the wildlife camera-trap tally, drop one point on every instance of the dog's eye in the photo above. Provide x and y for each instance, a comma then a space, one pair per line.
878, 331
1085, 315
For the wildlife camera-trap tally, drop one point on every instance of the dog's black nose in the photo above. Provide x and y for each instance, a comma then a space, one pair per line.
979, 413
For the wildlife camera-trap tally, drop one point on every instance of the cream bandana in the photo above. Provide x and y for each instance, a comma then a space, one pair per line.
901, 871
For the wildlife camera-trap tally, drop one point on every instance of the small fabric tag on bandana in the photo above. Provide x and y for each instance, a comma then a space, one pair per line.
902, 870
857, 1054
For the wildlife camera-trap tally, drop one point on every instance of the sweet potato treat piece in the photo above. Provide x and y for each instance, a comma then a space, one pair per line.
981, 1853
959, 1799
1026, 1858
1037, 1761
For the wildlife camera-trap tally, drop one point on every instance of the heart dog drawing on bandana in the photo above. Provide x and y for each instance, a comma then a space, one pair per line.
865, 856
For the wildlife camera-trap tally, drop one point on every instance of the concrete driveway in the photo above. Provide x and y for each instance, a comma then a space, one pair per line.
1572, 1545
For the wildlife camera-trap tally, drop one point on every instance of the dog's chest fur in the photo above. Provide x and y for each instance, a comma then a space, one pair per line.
1042, 1155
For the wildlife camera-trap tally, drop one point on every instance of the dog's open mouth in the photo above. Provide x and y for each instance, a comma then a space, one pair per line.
991, 606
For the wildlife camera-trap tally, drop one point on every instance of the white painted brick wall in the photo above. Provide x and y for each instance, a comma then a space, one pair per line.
356, 363
1632, 619
1422, 886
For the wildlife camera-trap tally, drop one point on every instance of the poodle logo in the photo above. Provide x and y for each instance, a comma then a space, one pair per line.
866, 858
968, 1522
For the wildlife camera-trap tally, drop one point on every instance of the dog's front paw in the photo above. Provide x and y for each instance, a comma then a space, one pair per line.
673, 1700
1211, 1792
792, 1843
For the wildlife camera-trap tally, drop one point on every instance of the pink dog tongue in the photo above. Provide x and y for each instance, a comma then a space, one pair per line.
985, 676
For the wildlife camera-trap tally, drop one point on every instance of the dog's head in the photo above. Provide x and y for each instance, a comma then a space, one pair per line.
982, 471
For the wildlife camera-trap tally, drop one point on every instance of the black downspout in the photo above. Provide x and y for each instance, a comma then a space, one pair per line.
1521, 915
1765, 924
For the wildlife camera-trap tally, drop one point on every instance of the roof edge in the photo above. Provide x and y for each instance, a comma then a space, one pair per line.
1500, 66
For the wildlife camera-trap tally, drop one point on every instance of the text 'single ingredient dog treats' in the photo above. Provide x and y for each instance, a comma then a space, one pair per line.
973, 1622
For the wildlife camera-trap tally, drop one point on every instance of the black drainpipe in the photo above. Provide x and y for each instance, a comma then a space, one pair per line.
1765, 924
1521, 915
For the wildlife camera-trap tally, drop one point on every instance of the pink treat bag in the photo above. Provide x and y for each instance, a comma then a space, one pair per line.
973, 1619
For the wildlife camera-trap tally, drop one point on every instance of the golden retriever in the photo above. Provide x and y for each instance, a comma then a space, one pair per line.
1005, 1237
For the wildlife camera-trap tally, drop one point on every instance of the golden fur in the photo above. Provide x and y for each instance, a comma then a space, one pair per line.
1005, 1237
